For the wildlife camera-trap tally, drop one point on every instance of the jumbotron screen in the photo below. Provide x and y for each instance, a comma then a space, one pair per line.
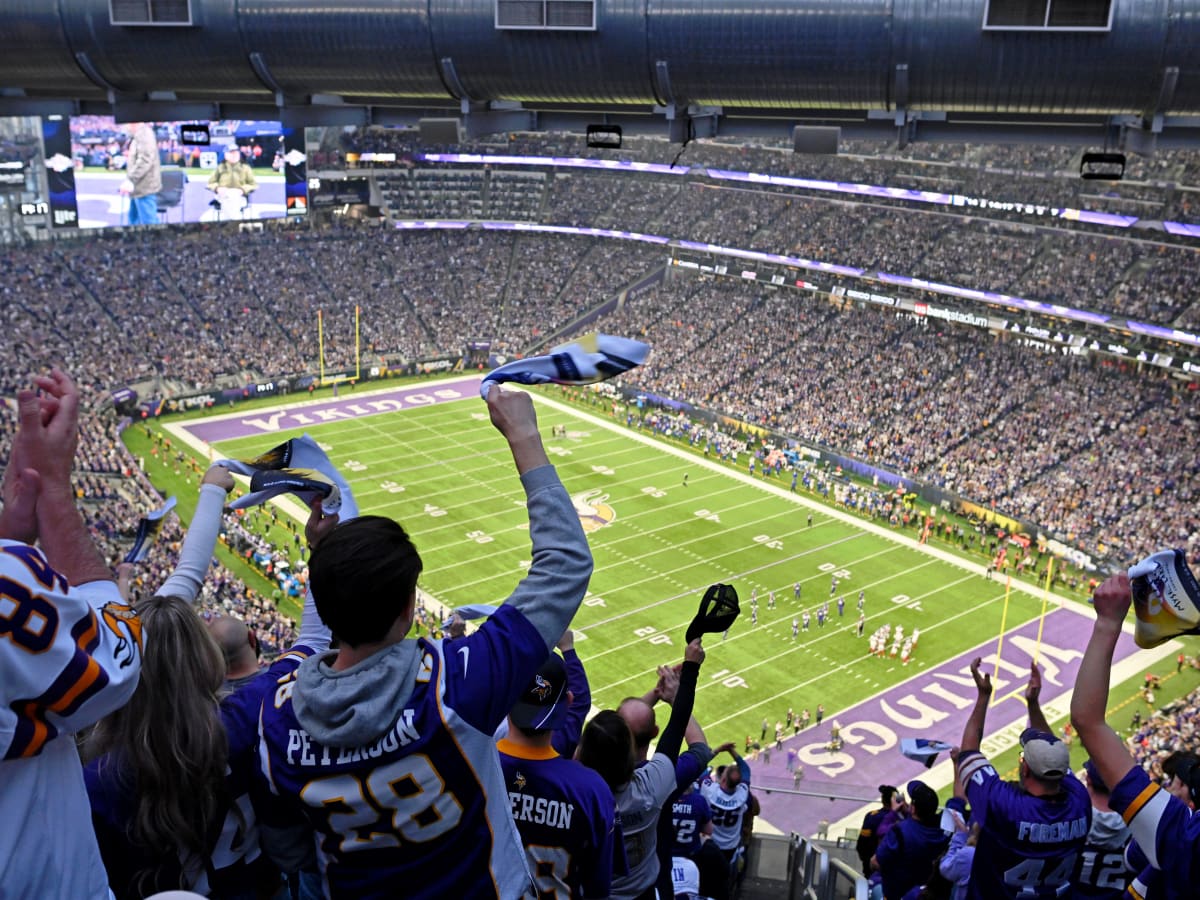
227, 170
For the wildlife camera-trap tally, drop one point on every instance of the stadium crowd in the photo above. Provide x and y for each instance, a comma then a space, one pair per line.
1028, 432
363, 760
1046, 176
738, 348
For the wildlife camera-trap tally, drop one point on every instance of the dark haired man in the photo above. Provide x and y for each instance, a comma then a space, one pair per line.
563, 809
907, 853
385, 746
868, 834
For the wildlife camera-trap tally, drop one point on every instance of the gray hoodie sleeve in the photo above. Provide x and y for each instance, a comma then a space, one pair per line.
551, 592
198, 545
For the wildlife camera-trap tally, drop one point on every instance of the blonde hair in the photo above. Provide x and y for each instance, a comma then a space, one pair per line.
168, 744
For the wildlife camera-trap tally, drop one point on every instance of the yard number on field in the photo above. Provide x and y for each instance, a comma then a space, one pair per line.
729, 679
650, 632
907, 601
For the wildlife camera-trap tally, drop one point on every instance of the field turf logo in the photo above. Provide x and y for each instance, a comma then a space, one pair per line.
593, 509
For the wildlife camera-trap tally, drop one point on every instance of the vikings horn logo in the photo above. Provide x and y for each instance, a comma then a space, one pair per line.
541, 687
519, 782
593, 509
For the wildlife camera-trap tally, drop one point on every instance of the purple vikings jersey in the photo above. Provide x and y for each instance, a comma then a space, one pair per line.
689, 814
1166, 832
564, 812
1029, 845
235, 861
409, 813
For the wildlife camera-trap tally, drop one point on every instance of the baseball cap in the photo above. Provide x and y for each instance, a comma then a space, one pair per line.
685, 876
924, 799
718, 610
1046, 756
543, 703
1166, 598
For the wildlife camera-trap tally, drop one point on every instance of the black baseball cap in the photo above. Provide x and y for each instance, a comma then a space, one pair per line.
543, 703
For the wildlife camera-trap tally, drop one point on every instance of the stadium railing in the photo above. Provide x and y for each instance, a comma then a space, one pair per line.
810, 872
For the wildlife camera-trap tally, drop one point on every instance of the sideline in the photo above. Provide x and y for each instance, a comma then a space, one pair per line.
1032, 589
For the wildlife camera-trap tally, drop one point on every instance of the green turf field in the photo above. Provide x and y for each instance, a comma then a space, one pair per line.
445, 473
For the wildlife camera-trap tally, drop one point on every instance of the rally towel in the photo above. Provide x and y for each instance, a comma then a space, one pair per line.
298, 466
1166, 598
586, 360
923, 750
148, 531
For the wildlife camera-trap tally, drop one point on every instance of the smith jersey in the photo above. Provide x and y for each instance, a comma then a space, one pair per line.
564, 812
689, 814
727, 812
1028, 846
68, 657
1101, 872
423, 809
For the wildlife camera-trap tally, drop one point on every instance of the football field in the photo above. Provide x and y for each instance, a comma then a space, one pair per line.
663, 525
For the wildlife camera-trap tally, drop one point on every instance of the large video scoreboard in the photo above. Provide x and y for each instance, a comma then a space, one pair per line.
86, 160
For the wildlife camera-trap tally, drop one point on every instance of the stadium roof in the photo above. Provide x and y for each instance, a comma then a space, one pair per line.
1120, 73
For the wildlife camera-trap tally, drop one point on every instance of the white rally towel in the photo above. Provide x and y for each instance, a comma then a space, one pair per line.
1166, 598
586, 360
923, 750
299, 467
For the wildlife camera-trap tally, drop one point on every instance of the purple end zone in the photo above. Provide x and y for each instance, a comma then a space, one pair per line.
305, 414
934, 705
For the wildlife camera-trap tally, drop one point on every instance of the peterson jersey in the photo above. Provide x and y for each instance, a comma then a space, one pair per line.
424, 807
565, 814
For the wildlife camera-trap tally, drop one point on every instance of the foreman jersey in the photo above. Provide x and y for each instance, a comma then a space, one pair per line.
565, 814
1028, 845
424, 807
727, 812
689, 814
